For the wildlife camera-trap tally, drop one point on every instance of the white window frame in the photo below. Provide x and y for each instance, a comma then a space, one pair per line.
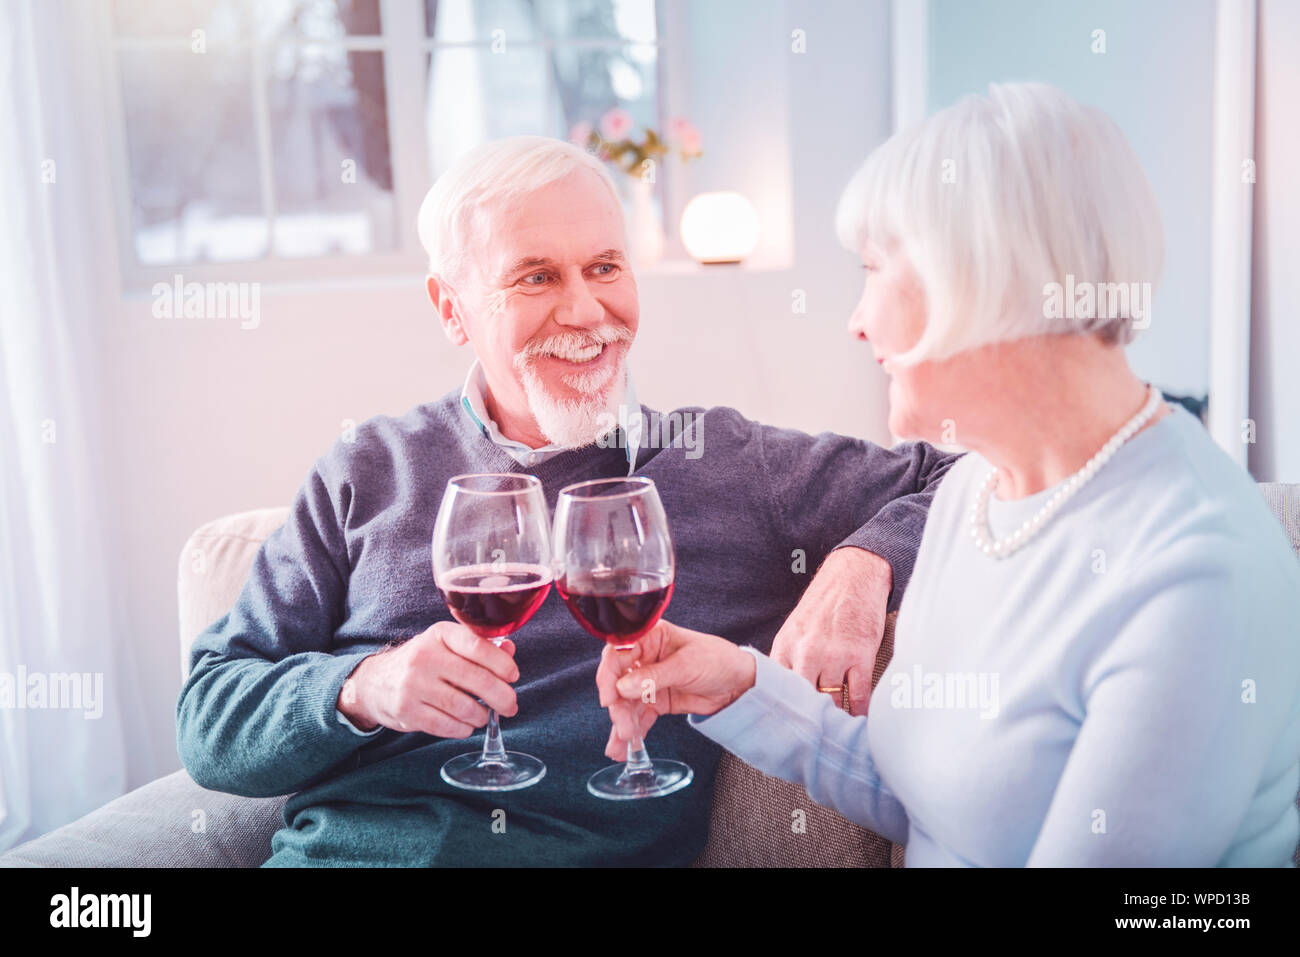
406, 50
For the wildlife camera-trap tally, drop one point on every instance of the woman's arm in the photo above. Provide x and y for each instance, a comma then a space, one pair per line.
763, 713
786, 728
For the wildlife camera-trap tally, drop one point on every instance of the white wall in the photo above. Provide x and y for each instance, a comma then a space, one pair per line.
207, 419
1275, 280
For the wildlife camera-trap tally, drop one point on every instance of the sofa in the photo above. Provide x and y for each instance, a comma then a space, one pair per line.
160, 824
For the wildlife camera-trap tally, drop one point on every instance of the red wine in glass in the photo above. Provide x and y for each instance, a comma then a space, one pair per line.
616, 606
492, 563
614, 568
495, 600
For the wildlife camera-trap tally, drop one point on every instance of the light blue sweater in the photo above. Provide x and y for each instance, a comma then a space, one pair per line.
1124, 690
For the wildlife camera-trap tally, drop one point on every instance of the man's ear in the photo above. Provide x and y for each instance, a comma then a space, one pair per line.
444, 304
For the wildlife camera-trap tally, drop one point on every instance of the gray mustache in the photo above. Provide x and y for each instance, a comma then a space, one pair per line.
572, 341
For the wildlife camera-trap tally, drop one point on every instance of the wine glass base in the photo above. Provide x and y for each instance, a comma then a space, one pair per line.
662, 777
471, 772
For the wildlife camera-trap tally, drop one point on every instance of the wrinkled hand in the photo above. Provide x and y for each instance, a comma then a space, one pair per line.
836, 629
672, 671
429, 683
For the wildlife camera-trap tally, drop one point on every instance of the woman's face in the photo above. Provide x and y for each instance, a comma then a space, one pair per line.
891, 316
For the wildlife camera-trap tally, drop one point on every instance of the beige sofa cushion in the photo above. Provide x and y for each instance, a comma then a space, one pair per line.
213, 566
169, 822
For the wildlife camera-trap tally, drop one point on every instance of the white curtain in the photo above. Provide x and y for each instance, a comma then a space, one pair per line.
59, 616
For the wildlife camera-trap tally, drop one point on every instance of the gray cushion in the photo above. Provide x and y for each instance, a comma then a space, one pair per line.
1284, 500
753, 821
159, 825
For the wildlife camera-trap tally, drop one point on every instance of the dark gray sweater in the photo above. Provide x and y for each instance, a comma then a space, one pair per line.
350, 572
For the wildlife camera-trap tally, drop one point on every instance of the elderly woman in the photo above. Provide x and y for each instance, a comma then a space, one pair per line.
1097, 661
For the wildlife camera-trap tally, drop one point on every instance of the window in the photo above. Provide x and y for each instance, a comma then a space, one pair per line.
505, 67
293, 134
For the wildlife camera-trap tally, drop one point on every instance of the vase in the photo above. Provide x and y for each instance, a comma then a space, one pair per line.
645, 231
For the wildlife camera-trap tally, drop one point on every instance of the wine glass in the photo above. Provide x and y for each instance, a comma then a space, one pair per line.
492, 563
614, 568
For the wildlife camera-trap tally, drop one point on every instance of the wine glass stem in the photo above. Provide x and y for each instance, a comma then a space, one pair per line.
494, 748
637, 758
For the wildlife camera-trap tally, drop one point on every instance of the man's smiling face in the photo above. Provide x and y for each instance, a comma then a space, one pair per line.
549, 304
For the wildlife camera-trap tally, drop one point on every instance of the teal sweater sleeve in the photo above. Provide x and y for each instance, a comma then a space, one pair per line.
258, 714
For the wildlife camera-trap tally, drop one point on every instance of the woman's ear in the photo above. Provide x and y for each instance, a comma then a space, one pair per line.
444, 304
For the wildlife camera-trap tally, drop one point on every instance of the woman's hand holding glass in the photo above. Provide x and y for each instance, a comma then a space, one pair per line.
679, 672
616, 570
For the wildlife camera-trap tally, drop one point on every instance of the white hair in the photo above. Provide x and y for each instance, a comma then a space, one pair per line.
486, 174
575, 423
996, 197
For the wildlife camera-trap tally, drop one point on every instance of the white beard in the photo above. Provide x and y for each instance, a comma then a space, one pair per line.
575, 423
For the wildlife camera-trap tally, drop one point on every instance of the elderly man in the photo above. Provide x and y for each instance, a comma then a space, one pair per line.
340, 675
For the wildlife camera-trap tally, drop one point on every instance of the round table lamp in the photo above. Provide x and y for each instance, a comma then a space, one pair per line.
720, 227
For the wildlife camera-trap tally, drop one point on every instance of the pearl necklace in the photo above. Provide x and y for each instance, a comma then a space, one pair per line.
980, 531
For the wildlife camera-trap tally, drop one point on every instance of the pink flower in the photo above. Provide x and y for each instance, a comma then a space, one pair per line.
615, 124
684, 135
580, 133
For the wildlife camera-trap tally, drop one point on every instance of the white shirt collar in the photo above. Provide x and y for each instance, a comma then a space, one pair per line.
471, 400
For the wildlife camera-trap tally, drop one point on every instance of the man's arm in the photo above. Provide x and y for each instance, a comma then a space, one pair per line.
832, 491
269, 707
821, 486
258, 714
